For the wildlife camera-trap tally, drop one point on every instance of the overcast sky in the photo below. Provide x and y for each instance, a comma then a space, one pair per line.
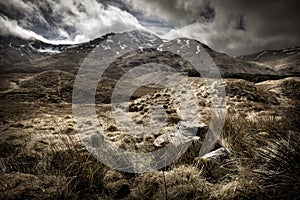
235, 27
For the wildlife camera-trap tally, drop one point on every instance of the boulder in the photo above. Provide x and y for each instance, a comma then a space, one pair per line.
185, 132
217, 155
213, 163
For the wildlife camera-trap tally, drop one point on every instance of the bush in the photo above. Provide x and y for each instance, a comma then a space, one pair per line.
193, 73
256, 78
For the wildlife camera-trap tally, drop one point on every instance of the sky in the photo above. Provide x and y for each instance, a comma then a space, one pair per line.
234, 27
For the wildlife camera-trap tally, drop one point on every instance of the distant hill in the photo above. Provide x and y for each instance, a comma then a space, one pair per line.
284, 61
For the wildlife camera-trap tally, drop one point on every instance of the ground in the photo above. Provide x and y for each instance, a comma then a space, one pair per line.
42, 155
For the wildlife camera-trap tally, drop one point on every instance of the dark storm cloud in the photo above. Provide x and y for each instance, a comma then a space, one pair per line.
233, 26
268, 17
178, 12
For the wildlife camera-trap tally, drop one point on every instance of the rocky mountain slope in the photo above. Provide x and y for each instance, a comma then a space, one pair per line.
16, 50
20, 55
285, 61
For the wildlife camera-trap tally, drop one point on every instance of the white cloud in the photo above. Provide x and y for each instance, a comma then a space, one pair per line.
96, 21
11, 27
177, 12
88, 19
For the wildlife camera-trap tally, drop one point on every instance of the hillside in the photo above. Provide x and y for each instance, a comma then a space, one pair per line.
284, 61
227, 138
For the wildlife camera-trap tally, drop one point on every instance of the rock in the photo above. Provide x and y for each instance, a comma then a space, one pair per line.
135, 108
69, 130
162, 140
68, 117
186, 132
173, 119
263, 134
199, 129
213, 163
170, 111
218, 155
112, 128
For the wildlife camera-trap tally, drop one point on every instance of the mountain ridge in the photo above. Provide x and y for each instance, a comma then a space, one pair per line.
226, 64
286, 61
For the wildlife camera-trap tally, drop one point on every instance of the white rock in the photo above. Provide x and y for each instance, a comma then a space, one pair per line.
219, 154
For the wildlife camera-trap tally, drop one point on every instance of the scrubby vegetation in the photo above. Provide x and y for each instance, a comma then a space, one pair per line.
264, 163
41, 155
256, 78
193, 73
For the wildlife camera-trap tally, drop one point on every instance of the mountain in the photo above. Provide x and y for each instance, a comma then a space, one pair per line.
29, 62
16, 50
31, 56
35, 56
284, 61
26, 63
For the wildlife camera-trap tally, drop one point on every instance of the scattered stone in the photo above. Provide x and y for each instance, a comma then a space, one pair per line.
133, 108
69, 130
68, 117
213, 163
112, 128
173, 119
263, 134
219, 154
161, 140
170, 111
158, 95
186, 133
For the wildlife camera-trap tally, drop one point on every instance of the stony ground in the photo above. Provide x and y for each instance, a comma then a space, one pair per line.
42, 155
